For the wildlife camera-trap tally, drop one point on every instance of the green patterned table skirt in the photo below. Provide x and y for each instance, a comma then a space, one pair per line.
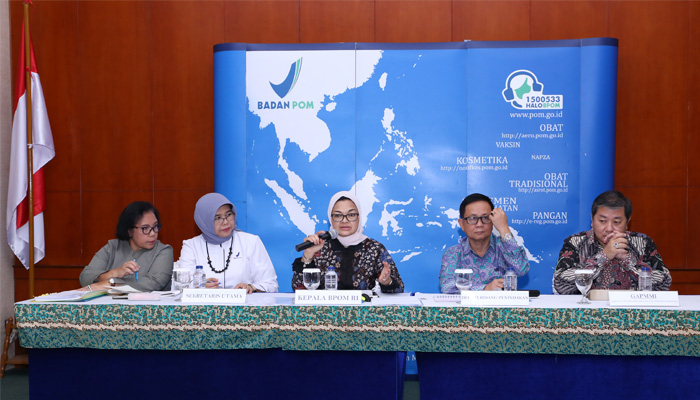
601, 331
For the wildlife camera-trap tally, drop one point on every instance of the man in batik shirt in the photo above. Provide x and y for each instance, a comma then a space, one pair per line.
614, 253
488, 255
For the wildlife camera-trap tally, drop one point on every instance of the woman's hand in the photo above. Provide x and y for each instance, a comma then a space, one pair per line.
249, 288
128, 268
211, 283
385, 275
318, 244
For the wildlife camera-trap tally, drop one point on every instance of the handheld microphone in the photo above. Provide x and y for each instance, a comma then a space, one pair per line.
331, 234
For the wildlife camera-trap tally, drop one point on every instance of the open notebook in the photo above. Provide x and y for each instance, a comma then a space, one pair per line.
71, 295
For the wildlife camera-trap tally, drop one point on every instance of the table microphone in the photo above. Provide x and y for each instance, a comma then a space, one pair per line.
331, 234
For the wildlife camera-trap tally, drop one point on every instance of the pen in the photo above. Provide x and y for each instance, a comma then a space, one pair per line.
136, 273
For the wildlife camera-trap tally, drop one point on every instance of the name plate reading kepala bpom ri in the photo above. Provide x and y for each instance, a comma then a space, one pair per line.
495, 298
628, 298
327, 297
217, 296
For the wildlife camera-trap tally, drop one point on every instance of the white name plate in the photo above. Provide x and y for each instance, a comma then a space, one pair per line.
218, 296
628, 298
327, 297
495, 298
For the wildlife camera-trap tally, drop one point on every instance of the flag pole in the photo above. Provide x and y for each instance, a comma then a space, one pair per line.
30, 152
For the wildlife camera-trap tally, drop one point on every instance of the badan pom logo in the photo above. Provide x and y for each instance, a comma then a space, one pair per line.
524, 91
282, 90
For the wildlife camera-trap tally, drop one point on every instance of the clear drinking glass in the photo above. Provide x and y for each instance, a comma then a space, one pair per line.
181, 279
463, 278
312, 278
584, 280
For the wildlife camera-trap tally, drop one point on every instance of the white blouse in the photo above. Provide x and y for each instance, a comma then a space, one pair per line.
249, 262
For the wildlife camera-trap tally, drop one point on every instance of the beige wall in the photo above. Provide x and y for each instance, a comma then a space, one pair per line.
7, 293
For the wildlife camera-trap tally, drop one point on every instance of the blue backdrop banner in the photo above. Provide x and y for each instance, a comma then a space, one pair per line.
412, 129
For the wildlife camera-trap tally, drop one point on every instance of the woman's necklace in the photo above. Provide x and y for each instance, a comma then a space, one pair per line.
228, 259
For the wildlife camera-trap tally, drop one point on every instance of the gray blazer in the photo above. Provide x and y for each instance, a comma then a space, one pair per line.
156, 265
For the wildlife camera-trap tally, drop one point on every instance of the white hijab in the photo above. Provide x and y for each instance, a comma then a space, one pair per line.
356, 237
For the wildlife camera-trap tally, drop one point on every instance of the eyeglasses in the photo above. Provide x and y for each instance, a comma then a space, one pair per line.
473, 220
148, 229
228, 217
351, 217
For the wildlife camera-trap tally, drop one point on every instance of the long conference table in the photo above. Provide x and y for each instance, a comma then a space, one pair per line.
271, 348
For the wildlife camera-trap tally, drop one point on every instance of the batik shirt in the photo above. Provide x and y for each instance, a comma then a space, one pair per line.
582, 250
500, 255
358, 266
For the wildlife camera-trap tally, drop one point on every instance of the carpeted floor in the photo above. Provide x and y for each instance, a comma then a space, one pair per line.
15, 384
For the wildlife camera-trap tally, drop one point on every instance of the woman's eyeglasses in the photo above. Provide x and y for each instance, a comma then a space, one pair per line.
351, 217
148, 229
220, 219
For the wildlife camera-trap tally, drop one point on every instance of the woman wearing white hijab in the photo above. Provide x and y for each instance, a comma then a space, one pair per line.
358, 260
231, 258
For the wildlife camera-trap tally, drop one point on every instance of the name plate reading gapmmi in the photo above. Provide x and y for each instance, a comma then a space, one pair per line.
218, 296
495, 298
327, 297
627, 298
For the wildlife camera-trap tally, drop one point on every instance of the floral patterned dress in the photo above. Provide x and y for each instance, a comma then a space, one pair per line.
358, 266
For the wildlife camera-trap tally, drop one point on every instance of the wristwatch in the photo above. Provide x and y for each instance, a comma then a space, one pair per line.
112, 282
508, 236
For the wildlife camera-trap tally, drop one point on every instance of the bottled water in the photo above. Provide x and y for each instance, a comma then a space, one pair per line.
645, 279
200, 279
331, 279
510, 281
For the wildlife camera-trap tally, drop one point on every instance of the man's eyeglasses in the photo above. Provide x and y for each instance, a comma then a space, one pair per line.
473, 220
228, 217
148, 229
351, 217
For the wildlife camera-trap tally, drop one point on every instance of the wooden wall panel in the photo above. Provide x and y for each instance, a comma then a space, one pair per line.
490, 20
46, 280
177, 213
660, 213
413, 21
692, 228
336, 21
262, 21
101, 211
184, 34
652, 87
693, 147
693, 108
129, 90
16, 17
552, 20
57, 62
115, 95
64, 228
686, 281
56, 59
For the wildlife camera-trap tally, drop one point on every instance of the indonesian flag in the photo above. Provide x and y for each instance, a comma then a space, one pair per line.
17, 199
